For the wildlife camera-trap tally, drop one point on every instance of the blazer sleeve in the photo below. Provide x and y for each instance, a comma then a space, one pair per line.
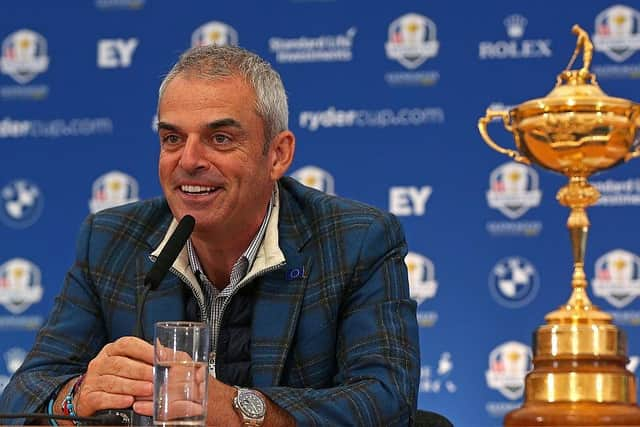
377, 344
72, 335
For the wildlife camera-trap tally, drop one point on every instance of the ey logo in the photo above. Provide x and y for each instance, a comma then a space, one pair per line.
406, 201
116, 53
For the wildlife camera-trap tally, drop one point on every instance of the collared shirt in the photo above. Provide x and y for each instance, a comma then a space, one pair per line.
216, 300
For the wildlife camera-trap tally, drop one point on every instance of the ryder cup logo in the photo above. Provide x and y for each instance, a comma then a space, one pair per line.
508, 365
514, 282
216, 33
21, 203
19, 285
617, 277
314, 177
422, 284
412, 40
24, 55
513, 189
13, 359
113, 189
617, 32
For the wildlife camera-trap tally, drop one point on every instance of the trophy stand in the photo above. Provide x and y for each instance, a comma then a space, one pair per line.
579, 376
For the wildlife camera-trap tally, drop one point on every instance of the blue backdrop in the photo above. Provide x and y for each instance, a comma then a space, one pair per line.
384, 100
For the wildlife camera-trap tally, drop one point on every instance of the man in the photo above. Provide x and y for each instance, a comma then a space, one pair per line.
306, 294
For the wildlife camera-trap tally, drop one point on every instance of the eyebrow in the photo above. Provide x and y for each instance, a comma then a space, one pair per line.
167, 126
227, 122
217, 124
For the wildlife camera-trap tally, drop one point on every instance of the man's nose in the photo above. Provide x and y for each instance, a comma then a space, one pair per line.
192, 157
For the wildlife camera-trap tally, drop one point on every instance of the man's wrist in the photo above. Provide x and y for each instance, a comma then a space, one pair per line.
59, 399
68, 405
251, 407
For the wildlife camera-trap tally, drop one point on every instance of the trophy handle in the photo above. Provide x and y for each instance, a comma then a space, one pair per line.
632, 155
482, 127
636, 140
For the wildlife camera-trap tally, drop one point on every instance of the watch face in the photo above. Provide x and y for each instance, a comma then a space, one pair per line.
251, 405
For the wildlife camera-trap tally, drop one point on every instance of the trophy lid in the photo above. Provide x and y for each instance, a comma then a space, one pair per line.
575, 90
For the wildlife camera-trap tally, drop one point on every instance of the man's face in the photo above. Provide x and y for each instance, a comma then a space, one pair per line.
212, 165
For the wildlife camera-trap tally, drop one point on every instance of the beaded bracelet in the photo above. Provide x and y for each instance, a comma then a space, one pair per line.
67, 403
52, 421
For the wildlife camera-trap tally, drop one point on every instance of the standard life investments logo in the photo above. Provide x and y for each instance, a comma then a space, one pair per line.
323, 48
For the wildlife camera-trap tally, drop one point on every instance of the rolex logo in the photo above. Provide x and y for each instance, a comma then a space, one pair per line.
516, 47
515, 25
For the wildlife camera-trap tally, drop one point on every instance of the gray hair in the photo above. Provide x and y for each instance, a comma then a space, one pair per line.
215, 62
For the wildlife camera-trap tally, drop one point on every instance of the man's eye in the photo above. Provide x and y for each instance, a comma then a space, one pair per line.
171, 139
221, 139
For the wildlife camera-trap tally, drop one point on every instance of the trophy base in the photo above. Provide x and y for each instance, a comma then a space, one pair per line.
579, 376
568, 414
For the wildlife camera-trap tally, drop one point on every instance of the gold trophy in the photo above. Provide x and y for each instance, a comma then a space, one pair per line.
579, 376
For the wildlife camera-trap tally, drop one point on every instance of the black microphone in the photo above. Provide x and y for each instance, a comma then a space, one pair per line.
160, 268
113, 418
170, 252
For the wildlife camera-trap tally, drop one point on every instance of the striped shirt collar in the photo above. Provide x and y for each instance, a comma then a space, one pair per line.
242, 264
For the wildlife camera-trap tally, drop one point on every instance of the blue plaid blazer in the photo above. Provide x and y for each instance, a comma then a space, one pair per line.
337, 345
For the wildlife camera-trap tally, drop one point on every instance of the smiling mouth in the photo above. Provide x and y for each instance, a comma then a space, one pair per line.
197, 189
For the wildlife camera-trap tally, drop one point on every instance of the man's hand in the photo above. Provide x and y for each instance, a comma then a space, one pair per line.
181, 393
119, 375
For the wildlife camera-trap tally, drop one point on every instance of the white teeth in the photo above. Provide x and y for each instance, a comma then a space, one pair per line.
196, 189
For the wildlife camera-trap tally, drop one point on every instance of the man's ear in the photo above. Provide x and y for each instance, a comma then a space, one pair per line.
280, 153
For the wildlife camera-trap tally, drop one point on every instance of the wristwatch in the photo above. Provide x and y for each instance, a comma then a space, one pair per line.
251, 406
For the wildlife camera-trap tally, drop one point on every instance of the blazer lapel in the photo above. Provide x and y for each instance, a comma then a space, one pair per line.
279, 297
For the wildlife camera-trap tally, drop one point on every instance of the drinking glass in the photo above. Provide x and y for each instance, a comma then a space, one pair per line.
180, 373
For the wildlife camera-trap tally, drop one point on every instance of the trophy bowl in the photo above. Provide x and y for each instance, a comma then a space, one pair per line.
576, 129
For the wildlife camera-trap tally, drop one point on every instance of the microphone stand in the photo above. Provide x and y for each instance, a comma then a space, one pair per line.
112, 418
